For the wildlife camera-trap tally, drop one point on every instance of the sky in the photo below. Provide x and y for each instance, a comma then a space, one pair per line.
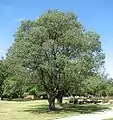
95, 15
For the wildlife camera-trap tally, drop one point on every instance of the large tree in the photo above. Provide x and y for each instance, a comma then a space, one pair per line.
52, 48
3, 76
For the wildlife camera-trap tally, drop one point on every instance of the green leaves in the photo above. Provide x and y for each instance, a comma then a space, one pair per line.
56, 51
3, 74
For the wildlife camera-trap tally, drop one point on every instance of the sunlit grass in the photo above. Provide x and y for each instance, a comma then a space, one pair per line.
109, 119
38, 110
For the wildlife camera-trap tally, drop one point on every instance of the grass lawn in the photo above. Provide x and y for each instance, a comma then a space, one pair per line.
109, 119
38, 110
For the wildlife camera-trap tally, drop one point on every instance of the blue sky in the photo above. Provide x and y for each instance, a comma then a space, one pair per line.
96, 15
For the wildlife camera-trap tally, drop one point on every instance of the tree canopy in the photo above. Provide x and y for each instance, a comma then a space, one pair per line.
57, 52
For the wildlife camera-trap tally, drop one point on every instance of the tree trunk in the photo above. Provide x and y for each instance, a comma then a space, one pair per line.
1, 94
2, 97
59, 99
51, 100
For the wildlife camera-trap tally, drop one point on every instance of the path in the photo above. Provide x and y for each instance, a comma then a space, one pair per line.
94, 116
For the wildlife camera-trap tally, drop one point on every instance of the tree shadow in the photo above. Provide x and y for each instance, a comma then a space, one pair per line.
68, 108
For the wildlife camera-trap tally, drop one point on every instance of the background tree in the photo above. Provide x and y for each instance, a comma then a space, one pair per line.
3, 76
13, 88
96, 85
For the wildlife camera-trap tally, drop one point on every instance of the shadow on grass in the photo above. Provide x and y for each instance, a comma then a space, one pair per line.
69, 108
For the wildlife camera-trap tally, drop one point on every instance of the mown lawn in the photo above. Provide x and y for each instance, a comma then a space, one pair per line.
109, 119
38, 110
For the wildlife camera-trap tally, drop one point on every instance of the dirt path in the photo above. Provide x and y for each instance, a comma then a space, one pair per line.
94, 116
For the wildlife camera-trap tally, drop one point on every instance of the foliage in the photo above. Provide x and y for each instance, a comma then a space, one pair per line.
36, 90
3, 75
95, 85
13, 88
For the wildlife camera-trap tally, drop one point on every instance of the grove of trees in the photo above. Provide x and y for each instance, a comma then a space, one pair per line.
55, 54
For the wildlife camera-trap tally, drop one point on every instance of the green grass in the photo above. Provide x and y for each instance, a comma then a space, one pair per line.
109, 119
38, 110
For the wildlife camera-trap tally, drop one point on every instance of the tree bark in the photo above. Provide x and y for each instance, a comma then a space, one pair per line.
2, 97
51, 100
1, 93
59, 99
